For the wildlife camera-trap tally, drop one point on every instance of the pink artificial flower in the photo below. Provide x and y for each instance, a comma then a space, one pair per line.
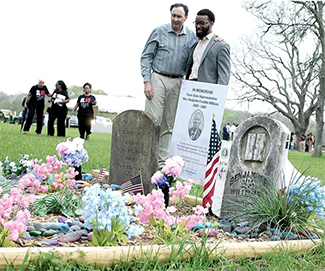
200, 210
157, 176
172, 168
179, 160
61, 148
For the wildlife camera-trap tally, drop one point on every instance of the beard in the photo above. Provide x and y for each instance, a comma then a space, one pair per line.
203, 33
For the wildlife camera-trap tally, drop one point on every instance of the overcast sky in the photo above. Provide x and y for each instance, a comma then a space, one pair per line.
98, 41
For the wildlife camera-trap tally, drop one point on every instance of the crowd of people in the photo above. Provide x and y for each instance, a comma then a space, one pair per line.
35, 101
228, 131
305, 142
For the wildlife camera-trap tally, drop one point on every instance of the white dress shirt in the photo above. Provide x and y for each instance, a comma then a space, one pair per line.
198, 53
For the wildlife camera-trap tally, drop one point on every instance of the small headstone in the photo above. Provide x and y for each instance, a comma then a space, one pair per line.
256, 157
135, 143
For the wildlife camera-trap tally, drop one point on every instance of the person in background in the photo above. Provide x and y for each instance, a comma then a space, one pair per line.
225, 134
302, 142
58, 110
292, 141
232, 130
35, 101
85, 104
309, 142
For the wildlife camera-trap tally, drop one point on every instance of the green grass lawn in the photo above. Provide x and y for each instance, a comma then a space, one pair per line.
13, 142
303, 161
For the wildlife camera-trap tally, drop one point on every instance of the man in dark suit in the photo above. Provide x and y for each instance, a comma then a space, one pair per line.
209, 60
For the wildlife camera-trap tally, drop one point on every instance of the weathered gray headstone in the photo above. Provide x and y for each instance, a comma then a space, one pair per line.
135, 143
256, 157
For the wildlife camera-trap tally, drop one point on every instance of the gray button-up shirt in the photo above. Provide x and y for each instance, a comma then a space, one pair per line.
166, 52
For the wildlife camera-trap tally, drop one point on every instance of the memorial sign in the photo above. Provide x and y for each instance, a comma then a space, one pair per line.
198, 103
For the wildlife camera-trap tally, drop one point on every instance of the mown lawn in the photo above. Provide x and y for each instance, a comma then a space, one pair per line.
304, 162
13, 142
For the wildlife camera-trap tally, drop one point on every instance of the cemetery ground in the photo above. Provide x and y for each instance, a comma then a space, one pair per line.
14, 143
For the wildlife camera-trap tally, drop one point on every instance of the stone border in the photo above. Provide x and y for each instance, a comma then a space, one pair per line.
110, 256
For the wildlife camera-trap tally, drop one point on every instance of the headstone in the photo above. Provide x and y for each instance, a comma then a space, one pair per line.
135, 144
256, 157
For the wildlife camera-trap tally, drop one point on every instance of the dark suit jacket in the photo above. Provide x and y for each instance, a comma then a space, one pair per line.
215, 63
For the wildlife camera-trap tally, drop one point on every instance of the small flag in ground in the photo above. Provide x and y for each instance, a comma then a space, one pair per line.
133, 186
101, 174
212, 166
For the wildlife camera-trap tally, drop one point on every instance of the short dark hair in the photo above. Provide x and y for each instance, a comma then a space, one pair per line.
87, 84
208, 13
62, 84
185, 7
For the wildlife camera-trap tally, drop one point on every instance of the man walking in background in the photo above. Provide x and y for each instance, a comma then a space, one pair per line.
163, 65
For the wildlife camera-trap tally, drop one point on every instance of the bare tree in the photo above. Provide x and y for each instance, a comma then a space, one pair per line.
274, 72
297, 21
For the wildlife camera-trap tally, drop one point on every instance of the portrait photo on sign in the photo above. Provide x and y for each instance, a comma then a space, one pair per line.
195, 125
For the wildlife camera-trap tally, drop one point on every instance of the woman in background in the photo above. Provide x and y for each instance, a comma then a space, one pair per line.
58, 110
85, 104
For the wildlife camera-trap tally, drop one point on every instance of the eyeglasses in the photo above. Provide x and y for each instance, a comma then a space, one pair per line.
202, 23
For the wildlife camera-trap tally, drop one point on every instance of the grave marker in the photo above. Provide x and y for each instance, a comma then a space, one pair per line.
256, 156
135, 141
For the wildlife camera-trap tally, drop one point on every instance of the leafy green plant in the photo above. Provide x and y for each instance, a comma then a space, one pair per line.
285, 209
104, 237
64, 202
168, 234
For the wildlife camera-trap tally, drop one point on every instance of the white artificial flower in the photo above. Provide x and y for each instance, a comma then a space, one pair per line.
26, 156
12, 164
79, 143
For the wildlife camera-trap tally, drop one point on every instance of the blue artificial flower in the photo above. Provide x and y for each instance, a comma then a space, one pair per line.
163, 181
104, 205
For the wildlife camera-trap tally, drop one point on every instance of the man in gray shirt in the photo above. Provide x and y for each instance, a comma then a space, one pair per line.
163, 65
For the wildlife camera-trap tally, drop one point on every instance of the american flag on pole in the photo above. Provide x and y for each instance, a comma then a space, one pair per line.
101, 174
133, 186
212, 166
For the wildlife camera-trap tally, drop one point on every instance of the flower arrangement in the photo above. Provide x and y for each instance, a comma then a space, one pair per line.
24, 165
73, 152
50, 176
106, 213
310, 194
152, 206
13, 213
172, 170
180, 189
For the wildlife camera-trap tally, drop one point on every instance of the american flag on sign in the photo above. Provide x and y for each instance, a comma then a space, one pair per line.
101, 174
133, 186
212, 166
